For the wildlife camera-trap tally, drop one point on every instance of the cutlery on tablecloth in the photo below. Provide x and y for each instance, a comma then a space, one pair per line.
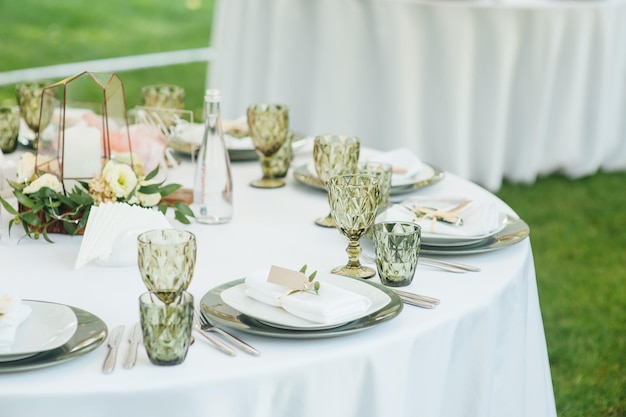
113, 342
219, 344
206, 325
452, 264
430, 262
134, 339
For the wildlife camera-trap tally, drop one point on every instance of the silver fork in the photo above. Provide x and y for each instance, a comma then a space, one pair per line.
206, 325
219, 344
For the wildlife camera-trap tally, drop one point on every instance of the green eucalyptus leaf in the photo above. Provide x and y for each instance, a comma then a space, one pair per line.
152, 174
169, 189
181, 217
24, 200
8, 207
303, 269
183, 208
149, 189
31, 219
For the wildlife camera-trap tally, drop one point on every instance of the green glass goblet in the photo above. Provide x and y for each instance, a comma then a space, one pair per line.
334, 155
31, 100
353, 204
268, 125
166, 260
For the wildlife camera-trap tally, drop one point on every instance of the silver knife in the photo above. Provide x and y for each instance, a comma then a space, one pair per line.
114, 340
134, 339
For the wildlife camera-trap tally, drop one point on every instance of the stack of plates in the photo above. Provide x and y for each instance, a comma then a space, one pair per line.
228, 305
53, 333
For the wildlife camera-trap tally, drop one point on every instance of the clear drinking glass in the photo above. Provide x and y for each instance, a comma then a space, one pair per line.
166, 327
353, 204
397, 246
334, 155
166, 261
268, 125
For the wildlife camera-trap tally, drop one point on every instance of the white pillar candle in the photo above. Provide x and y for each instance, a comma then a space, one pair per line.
82, 152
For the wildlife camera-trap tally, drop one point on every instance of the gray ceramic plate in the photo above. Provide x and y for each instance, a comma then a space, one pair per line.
221, 314
514, 231
90, 334
303, 175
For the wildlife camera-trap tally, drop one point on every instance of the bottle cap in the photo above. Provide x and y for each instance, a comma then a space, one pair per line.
212, 94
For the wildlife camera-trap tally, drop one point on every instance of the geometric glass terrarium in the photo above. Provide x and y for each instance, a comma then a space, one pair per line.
88, 128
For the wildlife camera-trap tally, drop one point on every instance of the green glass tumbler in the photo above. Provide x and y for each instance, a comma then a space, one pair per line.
9, 128
166, 260
397, 246
166, 327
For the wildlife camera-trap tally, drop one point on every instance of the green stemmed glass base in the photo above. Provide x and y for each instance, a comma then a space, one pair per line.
327, 221
359, 271
268, 183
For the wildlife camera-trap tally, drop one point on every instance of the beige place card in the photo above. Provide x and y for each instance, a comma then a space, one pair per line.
289, 278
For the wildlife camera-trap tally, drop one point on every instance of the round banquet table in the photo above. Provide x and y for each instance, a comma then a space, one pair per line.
484, 89
481, 352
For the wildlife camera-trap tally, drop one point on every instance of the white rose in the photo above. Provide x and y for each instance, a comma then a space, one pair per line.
46, 180
120, 177
26, 167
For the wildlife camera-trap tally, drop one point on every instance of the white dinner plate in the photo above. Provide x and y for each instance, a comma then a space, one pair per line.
435, 239
48, 326
236, 298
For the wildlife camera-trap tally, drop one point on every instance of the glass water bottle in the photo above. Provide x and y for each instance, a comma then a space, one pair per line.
213, 185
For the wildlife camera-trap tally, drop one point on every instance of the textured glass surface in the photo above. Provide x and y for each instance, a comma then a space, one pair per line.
29, 98
282, 158
9, 129
164, 96
166, 327
353, 204
397, 246
166, 260
268, 125
383, 172
334, 155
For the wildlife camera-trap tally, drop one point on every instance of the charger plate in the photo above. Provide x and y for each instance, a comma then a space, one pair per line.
431, 175
90, 334
514, 231
220, 313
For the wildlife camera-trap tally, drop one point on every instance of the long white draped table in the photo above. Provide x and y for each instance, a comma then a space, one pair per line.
485, 89
481, 352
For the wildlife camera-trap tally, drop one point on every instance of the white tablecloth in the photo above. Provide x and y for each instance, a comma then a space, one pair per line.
482, 352
486, 90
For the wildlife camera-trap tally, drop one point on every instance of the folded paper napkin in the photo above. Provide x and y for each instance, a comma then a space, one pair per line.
331, 305
111, 233
479, 217
12, 314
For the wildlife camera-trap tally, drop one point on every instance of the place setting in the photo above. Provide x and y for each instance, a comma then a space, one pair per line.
36, 334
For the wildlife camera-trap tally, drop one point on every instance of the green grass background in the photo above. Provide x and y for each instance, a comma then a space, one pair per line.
577, 226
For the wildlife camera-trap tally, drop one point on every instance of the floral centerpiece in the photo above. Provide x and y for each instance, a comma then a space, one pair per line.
44, 207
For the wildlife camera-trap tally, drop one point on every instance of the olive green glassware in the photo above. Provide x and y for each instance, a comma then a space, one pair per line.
268, 125
334, 155
383, 172
397, 246
353, 204
30, 98
9, 128
167, 97
166, 260
166, 327
282, 158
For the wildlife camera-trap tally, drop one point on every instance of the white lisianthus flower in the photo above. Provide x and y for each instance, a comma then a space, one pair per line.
26, 167
120, 177
46, 180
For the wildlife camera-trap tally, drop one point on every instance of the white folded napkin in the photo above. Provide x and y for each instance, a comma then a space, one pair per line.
404, 162
479, 217
12, 314
331, 305
111, 233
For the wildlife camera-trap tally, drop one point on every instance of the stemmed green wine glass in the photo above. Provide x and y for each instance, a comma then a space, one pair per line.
35, 106
353, 204
334, 155
268, 125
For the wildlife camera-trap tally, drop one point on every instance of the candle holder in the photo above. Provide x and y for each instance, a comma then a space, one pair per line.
88, 128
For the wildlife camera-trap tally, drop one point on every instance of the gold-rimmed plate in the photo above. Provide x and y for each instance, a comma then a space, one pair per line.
428, 176
222, 314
